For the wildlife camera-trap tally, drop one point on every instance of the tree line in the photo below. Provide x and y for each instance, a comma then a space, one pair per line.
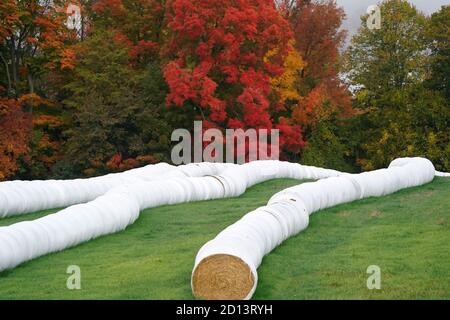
106, 95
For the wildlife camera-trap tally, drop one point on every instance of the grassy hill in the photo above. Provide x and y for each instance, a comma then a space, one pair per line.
406, 234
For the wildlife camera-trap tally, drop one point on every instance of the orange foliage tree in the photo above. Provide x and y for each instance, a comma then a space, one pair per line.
34, 42
318, 38
15, 128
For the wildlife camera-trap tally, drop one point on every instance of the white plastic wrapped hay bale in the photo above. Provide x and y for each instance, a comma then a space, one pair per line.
108, 213
226, 267
18, 197
24, 241
286, 214
120, 206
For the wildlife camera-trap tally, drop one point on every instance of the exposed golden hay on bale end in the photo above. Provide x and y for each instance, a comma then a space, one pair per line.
222, 277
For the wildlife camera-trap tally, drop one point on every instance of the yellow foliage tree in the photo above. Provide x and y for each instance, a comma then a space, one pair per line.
286, 84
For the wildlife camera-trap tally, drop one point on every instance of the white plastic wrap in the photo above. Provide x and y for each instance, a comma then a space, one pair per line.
120, 206
26, 240
442, 174
19, 197
287, 212
251, 238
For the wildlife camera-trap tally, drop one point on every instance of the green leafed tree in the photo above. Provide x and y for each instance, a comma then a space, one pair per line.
390, 66
392, 57
438, 33
115, 122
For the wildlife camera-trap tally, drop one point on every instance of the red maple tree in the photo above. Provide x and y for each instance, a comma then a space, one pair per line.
219, 63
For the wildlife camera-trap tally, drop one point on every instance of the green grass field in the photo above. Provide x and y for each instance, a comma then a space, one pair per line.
406, 234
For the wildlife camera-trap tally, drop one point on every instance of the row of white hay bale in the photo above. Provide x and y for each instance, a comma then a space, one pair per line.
118, 207
226, 267
19, 197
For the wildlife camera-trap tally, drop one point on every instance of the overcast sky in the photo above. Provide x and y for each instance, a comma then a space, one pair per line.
355, 8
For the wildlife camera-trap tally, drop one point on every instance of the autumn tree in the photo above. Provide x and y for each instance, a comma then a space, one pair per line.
137, 24
15, 128
34, 42
318, 39
313, 94
116, 96
32, 37
286, 85
218, 64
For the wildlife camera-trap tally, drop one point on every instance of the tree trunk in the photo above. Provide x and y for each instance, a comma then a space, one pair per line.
15, 74
30, 81
8, 76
